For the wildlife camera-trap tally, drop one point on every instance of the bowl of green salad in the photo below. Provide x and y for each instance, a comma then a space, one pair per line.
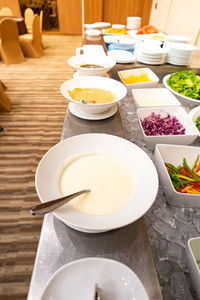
185, 85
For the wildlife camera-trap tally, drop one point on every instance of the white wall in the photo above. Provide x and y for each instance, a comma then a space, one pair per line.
159, 13
180, 17
184, 18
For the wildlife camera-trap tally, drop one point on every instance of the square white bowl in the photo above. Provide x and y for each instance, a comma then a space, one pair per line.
191, 132
154, 97
137, 72
174, 154
192, 254
194, 114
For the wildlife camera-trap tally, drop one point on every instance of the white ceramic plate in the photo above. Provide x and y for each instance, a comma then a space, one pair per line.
77, 280
132, 156
121, 56
101, 116
186, 100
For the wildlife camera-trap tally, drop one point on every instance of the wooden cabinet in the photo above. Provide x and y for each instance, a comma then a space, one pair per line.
113, 11
117, 11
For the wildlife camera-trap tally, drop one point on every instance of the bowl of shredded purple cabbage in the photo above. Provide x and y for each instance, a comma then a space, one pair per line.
155, 125
166, 125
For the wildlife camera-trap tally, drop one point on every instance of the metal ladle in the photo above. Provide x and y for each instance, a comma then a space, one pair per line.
43, 208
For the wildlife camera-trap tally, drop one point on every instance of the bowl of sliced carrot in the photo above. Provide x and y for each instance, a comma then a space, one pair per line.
179, 170
147, 29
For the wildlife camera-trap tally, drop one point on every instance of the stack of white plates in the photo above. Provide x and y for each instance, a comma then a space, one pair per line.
151, 54
178, 39
133, 22
180, 53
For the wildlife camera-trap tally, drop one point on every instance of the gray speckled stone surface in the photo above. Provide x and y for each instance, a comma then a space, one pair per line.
169, 228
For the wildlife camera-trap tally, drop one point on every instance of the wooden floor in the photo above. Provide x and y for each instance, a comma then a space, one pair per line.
30, 129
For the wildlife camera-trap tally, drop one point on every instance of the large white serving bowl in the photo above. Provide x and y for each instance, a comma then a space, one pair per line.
115, 280
191, 132
136, 160
192, 255
105, 83
185, 100
174, 154
106, 62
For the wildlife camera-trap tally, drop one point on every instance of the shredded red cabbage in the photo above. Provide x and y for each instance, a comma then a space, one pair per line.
158, 125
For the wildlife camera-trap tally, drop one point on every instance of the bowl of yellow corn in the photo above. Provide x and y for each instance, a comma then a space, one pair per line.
138, 78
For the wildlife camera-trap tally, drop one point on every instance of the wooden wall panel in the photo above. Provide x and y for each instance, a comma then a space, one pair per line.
70, 16
93, 11
117, 11
13, 5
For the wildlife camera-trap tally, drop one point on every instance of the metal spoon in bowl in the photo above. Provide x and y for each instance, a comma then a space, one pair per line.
43, 208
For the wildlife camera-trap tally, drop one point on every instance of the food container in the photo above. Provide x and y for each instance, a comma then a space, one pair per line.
191, 132
154, 97
79, 62
183, 99
192, 255
137, 72
174, 154
194, 114
105, 83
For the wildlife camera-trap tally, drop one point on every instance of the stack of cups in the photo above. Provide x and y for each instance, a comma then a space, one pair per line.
133, 23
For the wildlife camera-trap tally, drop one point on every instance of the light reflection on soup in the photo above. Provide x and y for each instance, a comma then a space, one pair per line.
92, 95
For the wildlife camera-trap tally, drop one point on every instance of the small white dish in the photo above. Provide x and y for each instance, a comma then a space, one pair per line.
115, 280
174, 154
137, 72
83, 115
101, 25
121, 56
118, 26
185, 100
194, 114
191, 132
105, 83
192, 255
93, 32
154, 97
131, 155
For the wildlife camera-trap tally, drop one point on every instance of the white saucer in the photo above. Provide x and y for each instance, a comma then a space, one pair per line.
83, 115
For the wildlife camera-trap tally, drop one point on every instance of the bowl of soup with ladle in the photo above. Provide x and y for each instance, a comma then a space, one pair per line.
91, 65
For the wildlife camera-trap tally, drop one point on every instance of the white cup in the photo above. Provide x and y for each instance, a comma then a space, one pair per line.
133, 22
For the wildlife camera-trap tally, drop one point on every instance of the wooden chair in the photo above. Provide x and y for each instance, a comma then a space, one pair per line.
4, 100
41, 23
28, 19
31, 43
6, 11
10, 49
